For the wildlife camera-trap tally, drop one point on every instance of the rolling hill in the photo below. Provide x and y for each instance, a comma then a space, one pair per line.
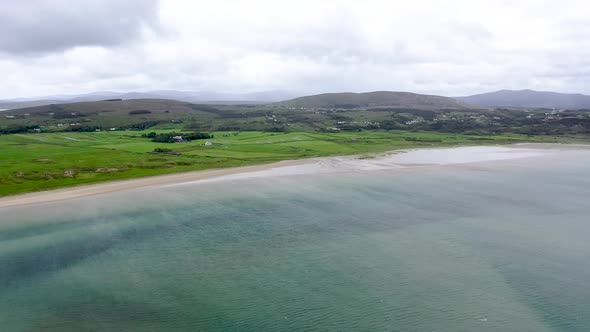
529, 99
377, 99
137, 113
323, 113
121, 107
209, 97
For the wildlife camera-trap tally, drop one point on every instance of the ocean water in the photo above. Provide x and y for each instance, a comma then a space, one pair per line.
500, 245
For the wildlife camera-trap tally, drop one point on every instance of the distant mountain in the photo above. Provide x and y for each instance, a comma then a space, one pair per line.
529, 99
377, 99
23, 104
187, 96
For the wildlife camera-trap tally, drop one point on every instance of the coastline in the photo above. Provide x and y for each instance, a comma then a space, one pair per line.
406, 158
56, 195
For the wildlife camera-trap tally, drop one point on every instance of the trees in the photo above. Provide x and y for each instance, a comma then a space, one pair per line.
174, 137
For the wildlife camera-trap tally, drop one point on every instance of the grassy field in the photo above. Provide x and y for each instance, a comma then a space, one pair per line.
33, 162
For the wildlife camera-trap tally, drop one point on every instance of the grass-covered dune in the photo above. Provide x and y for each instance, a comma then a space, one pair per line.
34, 162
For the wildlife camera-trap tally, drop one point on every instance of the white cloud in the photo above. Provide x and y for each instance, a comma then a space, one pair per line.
429, 46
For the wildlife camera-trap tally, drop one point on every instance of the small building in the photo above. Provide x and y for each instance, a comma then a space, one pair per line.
208, 144
411, 122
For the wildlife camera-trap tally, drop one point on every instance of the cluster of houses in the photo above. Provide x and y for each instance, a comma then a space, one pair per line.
68, 124
353, 123
14, 116
414, 121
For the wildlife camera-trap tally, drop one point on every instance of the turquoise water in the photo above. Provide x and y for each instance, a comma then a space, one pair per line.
501, 246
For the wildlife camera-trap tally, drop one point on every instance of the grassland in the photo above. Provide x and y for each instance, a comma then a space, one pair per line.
42, 161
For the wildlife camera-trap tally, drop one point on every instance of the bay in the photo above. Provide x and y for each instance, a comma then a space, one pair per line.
497, 245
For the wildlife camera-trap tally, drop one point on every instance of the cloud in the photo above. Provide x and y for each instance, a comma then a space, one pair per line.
427, 46
41, 26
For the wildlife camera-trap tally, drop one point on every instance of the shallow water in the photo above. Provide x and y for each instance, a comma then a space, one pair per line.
495, 246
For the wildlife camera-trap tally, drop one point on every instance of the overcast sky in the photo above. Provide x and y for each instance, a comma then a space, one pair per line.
427, 46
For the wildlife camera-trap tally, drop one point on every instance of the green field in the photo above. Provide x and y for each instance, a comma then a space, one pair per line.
33, 162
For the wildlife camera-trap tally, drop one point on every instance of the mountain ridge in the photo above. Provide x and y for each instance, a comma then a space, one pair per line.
396, 99
529, 99
525, 98
212, 97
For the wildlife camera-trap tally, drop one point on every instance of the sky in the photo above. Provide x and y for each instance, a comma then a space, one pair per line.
450, 48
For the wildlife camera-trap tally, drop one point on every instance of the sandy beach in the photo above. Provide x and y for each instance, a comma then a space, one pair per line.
386, 161
115, 186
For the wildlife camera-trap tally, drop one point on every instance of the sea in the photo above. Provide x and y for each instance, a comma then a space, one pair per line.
466, 239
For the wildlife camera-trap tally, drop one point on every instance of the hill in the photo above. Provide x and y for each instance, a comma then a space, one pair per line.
529, 99
322, 113
210, 97
350, 100
106, 106
88, 116
8, 105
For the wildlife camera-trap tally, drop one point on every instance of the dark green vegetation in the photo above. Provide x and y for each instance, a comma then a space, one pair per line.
289, 117
174, 137
53, 146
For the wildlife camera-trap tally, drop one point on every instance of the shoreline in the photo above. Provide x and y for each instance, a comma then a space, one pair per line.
435, 159
86, 190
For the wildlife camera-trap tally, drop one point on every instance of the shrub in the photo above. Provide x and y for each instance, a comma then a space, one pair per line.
169, 137
136, 112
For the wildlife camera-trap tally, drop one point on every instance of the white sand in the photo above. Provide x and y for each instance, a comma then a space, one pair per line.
392, 161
